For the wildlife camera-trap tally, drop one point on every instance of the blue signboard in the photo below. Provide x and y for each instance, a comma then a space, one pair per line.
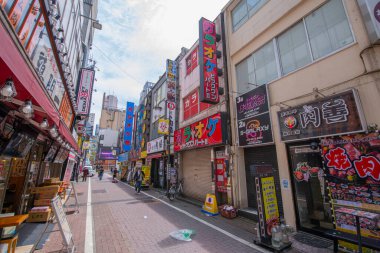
127, 139
122, 157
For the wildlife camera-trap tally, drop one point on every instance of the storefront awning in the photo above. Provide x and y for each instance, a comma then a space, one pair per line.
13, 64
156, 155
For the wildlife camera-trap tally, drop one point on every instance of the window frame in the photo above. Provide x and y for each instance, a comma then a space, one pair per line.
248, 15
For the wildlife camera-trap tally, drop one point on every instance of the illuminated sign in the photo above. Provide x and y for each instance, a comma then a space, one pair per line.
85, 91
127, 139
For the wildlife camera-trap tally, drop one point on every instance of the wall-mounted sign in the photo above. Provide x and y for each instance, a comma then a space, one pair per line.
122, 157
170, 115
86, 145
65, 111
334, 115
209, 131
192, 61
108, 153
171, 76
85, 90
209, 81
128, 124
253, 117
156, 145
163, 126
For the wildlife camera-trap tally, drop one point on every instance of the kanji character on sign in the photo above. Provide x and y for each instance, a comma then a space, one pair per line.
310, 115
211, 126
187, 133
338, 159
335, 111
199, 130
368, 166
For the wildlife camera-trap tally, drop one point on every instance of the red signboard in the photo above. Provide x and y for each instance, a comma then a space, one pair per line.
203, 133
209, 83
192, 61
192, 106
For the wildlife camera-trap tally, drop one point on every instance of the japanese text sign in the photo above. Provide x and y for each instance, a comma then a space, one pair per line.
170, 115
209, 81
108, 153
156, 145
128, 124
192, 61
333, 115
206, 132
163, 126
85, 91
353, 158
171, 76
254, 123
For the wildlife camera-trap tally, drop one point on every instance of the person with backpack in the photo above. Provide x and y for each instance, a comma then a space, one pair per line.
138, 177
101, 172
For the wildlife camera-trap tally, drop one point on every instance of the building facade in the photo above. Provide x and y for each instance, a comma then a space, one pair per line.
304, 83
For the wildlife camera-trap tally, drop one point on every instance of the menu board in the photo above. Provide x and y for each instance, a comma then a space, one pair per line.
352, 168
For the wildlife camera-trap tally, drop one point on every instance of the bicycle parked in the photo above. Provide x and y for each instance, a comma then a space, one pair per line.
175, 190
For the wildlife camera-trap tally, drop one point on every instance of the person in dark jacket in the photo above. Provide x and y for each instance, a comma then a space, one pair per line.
138, 177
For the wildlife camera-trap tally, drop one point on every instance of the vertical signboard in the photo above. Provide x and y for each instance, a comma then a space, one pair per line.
85, 90
171, 75
127, 137
209, 82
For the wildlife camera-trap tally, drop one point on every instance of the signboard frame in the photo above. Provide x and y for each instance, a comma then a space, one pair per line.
85, 92
63, 224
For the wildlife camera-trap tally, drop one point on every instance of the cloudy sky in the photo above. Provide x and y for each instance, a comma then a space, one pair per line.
137, 38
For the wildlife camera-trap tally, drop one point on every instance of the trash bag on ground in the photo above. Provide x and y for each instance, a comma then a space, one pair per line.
182, 234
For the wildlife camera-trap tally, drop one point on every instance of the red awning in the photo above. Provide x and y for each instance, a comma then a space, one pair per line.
27, 84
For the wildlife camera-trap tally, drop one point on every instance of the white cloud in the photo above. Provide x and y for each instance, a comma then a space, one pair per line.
137, 38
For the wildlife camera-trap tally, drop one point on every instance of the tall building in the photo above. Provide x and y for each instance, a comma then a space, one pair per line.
304, 86
42, 57
111, 117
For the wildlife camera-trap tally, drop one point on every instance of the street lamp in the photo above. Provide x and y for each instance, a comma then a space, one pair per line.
95, 23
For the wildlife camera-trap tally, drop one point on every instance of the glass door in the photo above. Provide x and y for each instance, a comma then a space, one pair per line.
310, 194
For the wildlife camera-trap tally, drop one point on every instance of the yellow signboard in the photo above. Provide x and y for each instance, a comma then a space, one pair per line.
163, 126
146, 180
86, 145
210, 207
269, 198
143, 154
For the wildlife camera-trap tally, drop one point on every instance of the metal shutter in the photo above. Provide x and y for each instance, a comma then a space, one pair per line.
261, 155
197, 173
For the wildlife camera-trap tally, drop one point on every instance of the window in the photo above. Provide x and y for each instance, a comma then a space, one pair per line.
328, 29
244, 10
322, 32
293, 49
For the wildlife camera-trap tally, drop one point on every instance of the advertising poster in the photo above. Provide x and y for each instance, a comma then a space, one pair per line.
156, 145
146, 180
206, 132
32, 42
108, 153
170, 115
209, 81
334, 115
16, 14
352, 168
221, 175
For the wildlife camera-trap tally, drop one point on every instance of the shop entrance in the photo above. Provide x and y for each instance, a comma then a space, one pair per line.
311, 196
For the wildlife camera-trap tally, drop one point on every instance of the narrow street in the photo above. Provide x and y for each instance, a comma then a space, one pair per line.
124, 221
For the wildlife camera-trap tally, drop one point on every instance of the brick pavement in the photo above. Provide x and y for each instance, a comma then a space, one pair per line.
128, 222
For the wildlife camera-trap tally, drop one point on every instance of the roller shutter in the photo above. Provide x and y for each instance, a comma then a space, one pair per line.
197, 173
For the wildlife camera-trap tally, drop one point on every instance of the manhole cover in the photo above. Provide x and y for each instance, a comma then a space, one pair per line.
312, 240
99, 191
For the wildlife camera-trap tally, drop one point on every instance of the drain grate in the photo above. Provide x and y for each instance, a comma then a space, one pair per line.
99, 191
312, 240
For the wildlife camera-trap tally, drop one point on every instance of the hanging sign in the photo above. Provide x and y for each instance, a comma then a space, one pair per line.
334, 115
163, 126
171, 76
85, 91
209, 131
127, 137
209, 81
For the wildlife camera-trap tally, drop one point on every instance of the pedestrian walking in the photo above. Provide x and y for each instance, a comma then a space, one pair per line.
101, 172
85, 174
114, 174
138, 177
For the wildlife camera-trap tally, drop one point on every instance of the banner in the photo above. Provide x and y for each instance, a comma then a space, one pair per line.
209, 131
209, 81
128, 124
85, 91
334, 115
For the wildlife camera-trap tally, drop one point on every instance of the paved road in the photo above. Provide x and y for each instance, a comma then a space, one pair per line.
124, 221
